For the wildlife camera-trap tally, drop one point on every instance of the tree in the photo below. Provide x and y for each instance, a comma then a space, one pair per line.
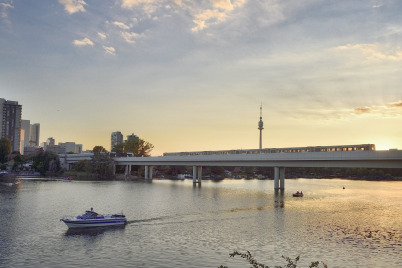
18, 161
5, 149
47, 163
99, 149
102, 165
137, 147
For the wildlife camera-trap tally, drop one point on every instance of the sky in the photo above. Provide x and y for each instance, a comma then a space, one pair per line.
191, 75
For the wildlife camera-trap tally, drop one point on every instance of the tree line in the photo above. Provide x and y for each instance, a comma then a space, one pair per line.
101, 165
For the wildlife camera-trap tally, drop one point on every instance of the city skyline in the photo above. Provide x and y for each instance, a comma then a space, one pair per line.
191, 76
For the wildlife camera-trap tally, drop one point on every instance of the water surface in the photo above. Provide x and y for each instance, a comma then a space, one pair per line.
173, 224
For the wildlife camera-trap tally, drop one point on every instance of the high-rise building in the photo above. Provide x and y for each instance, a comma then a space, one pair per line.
34, 135
26, 129
116, 138
10, 122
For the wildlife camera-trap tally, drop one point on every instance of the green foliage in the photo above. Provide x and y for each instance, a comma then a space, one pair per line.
137, 147
99, 149
290, 263
81, 166
47, 163
18, 161
5, 149
101, 165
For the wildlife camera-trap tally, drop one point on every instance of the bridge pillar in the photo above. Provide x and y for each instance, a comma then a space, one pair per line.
279, 178
148, 172
276, 178
114, 168
197, 174
151, 168
282, 178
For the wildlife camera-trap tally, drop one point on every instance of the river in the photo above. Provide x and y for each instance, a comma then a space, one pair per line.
174, 224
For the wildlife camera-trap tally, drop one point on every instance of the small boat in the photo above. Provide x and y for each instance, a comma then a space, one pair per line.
67, 179
93, 219
298, 194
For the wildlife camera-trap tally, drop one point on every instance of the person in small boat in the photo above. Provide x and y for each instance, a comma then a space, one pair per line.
297, 192
301, 193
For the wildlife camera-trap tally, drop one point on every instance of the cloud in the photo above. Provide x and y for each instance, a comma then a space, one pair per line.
4, 8
109, 50
73, 6
130, 37
84, 42
397, 104
374, 51
203, 13
132, 3
219, 12
362, 110
102, 35
121, 25
208, 17
222, 4
388, 110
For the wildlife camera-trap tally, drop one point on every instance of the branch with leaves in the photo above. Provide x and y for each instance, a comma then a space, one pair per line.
290, 263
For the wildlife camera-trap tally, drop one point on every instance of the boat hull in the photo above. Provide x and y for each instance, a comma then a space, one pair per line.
88, 224
71, 223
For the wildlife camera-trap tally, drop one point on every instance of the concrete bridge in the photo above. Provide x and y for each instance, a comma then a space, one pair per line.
279, 161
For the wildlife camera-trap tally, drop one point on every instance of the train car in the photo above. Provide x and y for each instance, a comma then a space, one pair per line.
307, 149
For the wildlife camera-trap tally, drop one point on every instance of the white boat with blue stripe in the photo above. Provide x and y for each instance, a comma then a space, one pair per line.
92, 219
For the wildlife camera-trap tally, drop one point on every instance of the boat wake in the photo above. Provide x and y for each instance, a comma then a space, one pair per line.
147, 220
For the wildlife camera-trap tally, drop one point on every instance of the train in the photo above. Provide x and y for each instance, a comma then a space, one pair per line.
307, 149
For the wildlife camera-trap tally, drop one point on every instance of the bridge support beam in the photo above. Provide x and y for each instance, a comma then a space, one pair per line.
197, 175
148, 172
279, 178
127, 171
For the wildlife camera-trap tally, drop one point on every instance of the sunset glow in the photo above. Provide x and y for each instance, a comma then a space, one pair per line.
191, 75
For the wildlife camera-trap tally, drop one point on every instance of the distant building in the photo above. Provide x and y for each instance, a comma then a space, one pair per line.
50, 141
10, 122
29, 136
25, 130
132, 137
34, 135
62, 147
71, 147
116, 138
56, 148
32, 150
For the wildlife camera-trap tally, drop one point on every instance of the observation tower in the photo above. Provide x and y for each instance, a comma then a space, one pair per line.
260, 126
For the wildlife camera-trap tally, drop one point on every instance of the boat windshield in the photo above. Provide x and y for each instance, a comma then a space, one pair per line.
89, 214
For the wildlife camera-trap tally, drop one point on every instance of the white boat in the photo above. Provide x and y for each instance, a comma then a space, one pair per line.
93, 219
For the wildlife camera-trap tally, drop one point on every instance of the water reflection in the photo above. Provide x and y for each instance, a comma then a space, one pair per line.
279, 199
95, 231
